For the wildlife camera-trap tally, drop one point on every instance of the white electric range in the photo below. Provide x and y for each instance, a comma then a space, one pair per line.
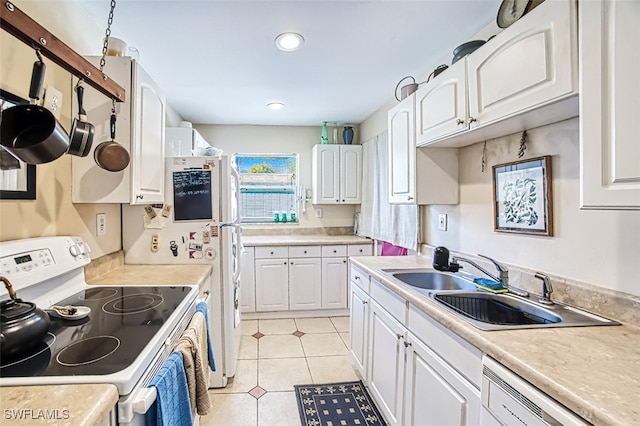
125, 339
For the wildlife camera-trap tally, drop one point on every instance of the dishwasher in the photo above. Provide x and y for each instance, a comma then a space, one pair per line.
510, 400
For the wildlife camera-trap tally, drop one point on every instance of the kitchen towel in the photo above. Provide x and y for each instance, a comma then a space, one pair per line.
172, 405
202, 307
193, 345
389, 249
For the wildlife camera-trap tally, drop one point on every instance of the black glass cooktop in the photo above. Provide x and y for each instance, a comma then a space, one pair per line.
122, 322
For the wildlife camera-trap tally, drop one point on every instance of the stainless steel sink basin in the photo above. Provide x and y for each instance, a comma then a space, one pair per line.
489, 311
430, 280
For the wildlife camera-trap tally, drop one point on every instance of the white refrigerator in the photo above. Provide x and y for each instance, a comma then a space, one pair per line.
197, 224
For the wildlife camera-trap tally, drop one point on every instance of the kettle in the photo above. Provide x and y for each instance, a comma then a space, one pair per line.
22, 326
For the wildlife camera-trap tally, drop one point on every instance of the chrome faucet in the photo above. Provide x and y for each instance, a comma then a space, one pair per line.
547, 289
502, 273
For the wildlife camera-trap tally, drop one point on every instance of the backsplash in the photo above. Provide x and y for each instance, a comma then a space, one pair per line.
257, 230
619, 306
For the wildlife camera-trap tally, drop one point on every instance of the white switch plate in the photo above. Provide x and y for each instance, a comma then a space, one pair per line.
318, 212
442, 222
101, 224
53, 101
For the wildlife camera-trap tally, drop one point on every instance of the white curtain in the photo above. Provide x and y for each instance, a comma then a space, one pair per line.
394, 223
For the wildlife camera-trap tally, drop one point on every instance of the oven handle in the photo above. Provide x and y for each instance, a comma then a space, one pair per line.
143, 399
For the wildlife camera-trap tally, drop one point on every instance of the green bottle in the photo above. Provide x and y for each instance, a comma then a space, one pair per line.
324, 139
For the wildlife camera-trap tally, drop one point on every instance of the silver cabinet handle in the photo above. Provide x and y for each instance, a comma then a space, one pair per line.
407, 344
472, 120
409, 198
459, 121
140, 197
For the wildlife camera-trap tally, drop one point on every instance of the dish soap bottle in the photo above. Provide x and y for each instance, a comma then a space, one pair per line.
324, 138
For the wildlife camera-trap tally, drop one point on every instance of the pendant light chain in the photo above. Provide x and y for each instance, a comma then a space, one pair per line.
107, 33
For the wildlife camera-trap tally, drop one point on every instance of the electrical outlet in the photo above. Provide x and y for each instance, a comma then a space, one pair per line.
442, 222
318, 212
53, 101
155, 243
101, 224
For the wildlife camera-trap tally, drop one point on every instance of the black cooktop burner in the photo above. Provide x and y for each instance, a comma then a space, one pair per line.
113, 335
133, 304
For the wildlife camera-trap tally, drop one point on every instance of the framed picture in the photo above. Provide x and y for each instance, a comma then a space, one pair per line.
17, 179
522, 197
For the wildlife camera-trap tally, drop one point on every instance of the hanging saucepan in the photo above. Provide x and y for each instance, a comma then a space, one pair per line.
30, 132
23, 325
81, 136
110, 155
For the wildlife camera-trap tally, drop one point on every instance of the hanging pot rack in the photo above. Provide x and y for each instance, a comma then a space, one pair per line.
21, 26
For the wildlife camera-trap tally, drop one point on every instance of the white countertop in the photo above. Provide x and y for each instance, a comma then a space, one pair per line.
301, 240
593, 371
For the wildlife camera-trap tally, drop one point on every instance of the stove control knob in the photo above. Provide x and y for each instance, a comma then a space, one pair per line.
75, 250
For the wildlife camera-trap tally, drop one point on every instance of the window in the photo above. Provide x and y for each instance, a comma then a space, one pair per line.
268, 185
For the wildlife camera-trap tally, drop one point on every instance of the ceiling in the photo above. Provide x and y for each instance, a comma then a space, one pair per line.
217, 63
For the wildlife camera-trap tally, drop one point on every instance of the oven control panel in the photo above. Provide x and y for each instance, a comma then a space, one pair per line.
25, 262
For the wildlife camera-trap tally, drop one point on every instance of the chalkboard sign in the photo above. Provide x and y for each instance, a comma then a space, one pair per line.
192, 195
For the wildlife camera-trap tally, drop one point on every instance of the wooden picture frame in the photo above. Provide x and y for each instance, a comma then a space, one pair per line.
17, 179
522, 201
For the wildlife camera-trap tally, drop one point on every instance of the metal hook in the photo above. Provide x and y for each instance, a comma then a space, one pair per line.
78, 84
113, 106
38, 54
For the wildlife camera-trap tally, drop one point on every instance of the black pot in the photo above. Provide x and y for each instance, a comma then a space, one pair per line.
23, 326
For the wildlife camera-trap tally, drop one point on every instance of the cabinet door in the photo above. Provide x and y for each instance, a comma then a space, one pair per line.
434, 391
402, 152
350, 174
609, 114
358, 328
305, 284
531, 64
441, 105
247, 280
386, 363
325, 174
147, 159
272, 285
334, 283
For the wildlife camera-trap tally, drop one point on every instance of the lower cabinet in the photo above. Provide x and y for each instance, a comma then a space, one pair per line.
305, 284
247, 280
406, 375
272, 285
334, 288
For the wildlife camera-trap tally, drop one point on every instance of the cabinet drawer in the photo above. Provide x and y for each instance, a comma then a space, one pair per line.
269, 252
304, 251
389, 300
360, 279
360, 250
462, 356
334, 251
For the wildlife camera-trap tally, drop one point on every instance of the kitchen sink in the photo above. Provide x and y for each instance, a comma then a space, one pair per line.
430, 280
489, 311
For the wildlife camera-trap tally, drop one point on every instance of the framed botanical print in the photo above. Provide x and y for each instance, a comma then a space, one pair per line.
522, 197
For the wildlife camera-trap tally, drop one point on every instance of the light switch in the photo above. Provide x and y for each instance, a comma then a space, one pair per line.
442, 222
53, 101
101, 224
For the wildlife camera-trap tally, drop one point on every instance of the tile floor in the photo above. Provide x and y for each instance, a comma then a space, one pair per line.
274, 356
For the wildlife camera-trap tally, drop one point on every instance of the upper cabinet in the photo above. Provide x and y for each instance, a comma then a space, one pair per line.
336, 174
139, 129
435, 169
609, 114
524, 77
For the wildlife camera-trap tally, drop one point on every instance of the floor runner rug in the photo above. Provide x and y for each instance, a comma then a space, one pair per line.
337, 404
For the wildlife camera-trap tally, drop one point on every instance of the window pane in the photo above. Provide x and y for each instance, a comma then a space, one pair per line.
268, 184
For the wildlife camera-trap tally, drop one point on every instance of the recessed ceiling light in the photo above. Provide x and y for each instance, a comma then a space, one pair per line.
275, 105
289, 41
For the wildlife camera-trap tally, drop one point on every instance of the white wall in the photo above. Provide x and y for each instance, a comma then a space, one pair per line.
281, 139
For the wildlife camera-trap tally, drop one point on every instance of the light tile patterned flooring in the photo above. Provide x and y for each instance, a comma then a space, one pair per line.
274, 356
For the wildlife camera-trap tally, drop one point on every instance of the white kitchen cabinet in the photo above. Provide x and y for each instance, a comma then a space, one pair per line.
386, 362
272, 284
609, 114
532, 63
524, 77
247, 280
334, 283
139, 128
305, 284
441, 107
358, 328
418, 175
435, 391
336, 174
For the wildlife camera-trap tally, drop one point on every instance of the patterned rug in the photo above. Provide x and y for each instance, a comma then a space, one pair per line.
337, 404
